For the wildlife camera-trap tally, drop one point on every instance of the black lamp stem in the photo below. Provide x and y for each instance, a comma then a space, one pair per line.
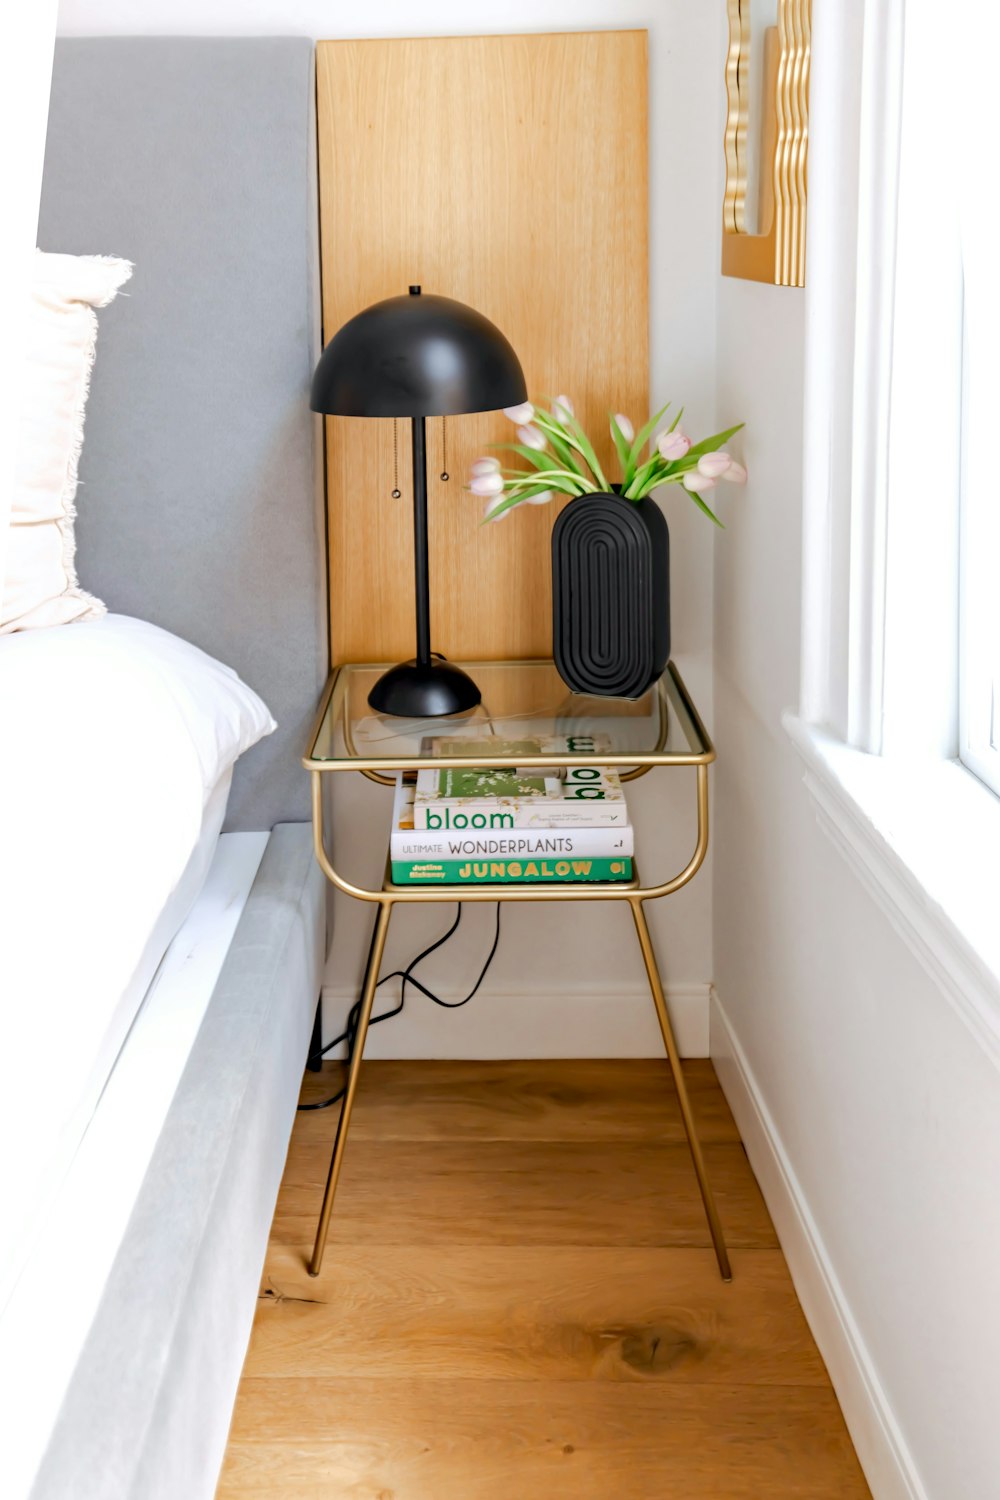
421, 562
426, 687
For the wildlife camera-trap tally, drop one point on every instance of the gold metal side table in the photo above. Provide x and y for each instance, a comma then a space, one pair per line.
520, 698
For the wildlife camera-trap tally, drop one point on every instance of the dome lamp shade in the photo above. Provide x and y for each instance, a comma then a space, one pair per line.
417, 356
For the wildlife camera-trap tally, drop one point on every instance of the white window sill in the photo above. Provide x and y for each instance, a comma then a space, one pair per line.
925, 839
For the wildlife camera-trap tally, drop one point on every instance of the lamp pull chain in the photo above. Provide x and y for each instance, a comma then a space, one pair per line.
396, 491
444, 450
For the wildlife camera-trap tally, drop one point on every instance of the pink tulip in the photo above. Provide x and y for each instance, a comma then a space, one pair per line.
697, 482
562, 409
487, 484
625, 426
542, 499
531, 437
485, 466
522, 413
714, 465
673, 445
735, 474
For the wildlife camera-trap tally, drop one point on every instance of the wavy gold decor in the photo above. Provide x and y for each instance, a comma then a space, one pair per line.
777, 253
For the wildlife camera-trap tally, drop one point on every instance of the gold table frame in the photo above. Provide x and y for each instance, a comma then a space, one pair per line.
632, 763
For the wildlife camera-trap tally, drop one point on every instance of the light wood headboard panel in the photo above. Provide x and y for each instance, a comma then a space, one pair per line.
509, 172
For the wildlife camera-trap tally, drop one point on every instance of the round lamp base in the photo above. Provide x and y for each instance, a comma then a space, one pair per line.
432, 690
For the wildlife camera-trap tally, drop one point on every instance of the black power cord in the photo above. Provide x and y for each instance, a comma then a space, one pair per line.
350, 1033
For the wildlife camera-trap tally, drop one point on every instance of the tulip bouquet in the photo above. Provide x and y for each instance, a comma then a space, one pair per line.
562, 460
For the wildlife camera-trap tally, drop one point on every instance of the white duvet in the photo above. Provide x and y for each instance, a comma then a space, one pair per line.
117, 742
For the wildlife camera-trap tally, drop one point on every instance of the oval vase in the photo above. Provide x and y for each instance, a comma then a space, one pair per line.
610, 595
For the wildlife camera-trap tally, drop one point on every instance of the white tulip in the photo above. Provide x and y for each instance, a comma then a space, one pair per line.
562, 409
522, 413
531, 437
542, 499
625, 426
697, 482
714, 465
735, 474
673, 445
487, 484
485, 466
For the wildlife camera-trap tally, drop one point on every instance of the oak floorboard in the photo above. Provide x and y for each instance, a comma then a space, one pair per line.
521, 1193
473, 1440
577, 1100
519, 1301
546, 1313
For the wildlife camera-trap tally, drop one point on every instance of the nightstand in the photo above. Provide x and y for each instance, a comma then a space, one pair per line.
519, 698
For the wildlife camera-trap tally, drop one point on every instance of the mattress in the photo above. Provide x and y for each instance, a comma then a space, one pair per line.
109, 818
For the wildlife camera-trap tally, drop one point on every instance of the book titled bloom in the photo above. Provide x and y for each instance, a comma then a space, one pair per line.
480, 798
438, 844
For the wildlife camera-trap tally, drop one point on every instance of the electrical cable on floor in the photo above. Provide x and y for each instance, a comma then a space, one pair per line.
349, 1034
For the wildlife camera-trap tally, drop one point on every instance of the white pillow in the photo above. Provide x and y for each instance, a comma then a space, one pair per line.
40, 586
131, 667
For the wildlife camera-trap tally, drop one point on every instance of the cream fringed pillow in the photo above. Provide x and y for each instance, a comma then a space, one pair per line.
40, 585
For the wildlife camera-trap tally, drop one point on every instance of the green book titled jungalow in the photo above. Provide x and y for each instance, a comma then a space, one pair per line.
507, 871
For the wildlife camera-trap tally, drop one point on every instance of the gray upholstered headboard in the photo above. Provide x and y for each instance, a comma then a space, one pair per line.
197, 510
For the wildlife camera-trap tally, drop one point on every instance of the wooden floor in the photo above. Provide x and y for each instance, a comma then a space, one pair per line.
520, 1302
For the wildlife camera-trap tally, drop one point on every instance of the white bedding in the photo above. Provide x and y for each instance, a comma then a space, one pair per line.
117, 743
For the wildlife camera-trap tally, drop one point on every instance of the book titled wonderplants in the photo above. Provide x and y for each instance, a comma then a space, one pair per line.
480, 798
437, 844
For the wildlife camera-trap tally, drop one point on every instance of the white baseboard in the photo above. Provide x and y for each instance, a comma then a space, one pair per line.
881, 1448
528, 1024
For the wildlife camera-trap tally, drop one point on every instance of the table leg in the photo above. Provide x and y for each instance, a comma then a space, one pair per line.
343, 1124
655, 984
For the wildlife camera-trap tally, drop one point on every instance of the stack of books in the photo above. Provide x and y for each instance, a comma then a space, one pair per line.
476, 825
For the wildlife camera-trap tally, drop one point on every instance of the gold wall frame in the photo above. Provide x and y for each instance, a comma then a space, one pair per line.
777, 254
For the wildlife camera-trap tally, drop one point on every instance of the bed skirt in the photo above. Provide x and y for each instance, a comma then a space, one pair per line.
148, 1411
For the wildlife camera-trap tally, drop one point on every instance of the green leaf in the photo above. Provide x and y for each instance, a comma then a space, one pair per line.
704, 508
515, 499
567, 435
506, 504
538, 459
623, 450
644, 479
712, 444
558, 479
559, 440
645, 433
585, 446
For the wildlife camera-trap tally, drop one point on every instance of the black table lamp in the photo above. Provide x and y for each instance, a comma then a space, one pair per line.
418, 357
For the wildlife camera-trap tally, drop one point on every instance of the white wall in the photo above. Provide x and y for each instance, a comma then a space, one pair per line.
871, 1115
560, 954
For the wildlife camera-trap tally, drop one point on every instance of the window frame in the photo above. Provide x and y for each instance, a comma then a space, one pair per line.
978, 687
920, 831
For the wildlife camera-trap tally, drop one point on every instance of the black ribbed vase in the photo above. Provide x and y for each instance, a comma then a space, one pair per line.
610, 595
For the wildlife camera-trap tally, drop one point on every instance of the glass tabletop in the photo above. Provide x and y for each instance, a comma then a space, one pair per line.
528, 716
